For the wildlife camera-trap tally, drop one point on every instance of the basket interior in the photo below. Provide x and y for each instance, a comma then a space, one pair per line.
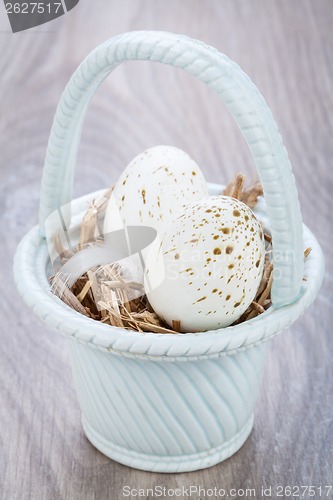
32, 270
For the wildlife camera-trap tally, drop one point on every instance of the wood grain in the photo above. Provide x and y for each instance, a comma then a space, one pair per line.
286, 48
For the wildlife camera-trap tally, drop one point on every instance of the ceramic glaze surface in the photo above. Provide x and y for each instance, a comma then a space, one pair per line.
167, 417
197, 378
193, 395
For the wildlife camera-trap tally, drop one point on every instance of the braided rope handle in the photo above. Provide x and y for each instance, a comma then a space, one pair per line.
246, 105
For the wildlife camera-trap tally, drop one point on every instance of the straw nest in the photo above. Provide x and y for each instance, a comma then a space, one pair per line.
105, 295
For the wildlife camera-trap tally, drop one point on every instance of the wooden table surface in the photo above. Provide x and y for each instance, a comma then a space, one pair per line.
287, 49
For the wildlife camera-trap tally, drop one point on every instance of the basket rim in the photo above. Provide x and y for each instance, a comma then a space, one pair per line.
30, 264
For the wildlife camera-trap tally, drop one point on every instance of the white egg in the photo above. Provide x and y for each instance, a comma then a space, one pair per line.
154, 188
207, 267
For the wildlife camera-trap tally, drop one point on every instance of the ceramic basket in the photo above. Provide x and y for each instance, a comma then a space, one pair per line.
163, 402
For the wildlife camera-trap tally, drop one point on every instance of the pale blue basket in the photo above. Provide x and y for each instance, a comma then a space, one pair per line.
160, 402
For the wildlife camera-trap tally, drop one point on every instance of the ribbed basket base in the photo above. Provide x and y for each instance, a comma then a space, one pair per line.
179, 463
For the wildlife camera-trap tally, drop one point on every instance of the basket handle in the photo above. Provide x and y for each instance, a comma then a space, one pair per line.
246, 105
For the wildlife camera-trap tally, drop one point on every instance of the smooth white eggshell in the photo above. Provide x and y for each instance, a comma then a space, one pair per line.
154, 188
208, 265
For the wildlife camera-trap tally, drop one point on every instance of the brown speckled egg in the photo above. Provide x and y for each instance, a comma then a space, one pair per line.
154, 188
207, 267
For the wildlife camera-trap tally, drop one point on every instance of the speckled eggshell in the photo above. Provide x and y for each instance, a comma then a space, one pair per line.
154, 188
208, 265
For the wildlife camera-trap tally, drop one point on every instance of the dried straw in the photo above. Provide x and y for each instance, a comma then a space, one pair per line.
249, 195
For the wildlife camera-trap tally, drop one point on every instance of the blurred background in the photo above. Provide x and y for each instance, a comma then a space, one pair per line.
286, 49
